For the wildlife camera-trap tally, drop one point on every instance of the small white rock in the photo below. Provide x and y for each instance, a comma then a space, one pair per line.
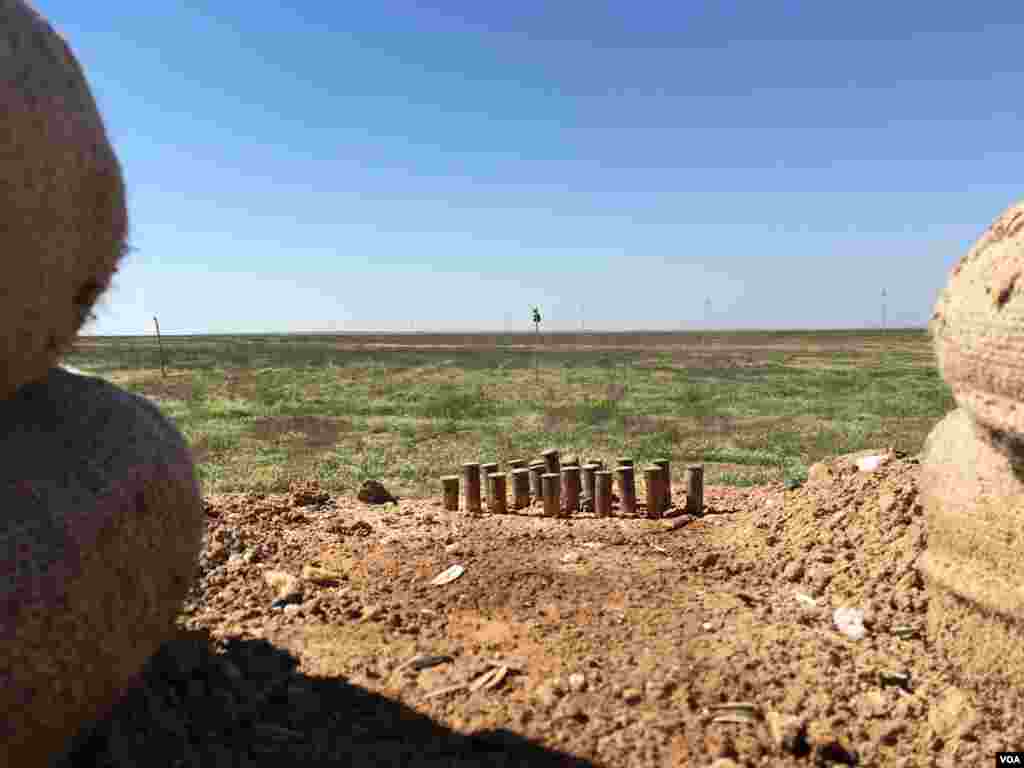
549, 693
577, 682
282, 582
871, 463
807, 600
850, 621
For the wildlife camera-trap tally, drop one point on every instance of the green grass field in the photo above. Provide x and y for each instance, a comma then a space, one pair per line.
261, 411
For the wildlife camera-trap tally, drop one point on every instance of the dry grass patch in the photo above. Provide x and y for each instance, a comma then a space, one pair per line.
177, 385
315, 432
239, 383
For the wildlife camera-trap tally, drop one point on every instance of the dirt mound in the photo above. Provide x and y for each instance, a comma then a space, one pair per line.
846, 537
617, 641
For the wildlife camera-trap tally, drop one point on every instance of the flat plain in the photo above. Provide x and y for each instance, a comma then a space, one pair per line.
752, 406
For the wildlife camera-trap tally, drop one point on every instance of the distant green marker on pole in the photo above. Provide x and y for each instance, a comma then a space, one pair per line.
535, 315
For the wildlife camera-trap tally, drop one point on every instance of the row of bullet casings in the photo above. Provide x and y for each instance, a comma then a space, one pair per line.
569, 488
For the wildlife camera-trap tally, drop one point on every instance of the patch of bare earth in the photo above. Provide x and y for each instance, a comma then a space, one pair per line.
177, 385
318, 432
314, 636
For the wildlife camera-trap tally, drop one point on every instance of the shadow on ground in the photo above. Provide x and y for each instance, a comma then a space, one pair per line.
247, 705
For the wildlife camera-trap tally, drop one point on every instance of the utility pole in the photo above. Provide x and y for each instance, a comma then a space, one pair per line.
160, 344
883, 309
535, 317
707, 318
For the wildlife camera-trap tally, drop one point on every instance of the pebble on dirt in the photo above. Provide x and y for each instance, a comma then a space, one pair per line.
285, 585
549, 693
850, 621
303, 494
374, 492
871, 463
819, 473
787, 732
577, 682
320, 576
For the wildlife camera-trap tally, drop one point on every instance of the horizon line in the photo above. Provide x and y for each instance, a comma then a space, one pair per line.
562, 332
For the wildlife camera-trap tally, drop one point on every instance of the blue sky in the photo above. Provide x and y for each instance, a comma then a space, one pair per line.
398, 165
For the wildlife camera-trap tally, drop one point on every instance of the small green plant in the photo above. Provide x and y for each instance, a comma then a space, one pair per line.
595, 412
452, 402
743, 479
370, 466
794, 472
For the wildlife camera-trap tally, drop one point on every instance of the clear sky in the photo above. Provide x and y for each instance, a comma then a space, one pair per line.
397, 165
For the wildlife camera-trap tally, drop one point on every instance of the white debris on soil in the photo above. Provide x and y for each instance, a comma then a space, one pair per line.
448, 576
577, 682
807, 600
871, 463
850, 621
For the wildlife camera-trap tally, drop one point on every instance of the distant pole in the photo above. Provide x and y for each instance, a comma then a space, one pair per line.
160, 344
883, 309
536, 346
707, 318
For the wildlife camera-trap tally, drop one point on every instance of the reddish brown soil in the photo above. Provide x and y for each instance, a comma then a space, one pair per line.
615, 639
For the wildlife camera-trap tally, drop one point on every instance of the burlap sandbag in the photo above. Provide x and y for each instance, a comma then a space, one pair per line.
101, 530
62, 197
974, 505
978, 326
